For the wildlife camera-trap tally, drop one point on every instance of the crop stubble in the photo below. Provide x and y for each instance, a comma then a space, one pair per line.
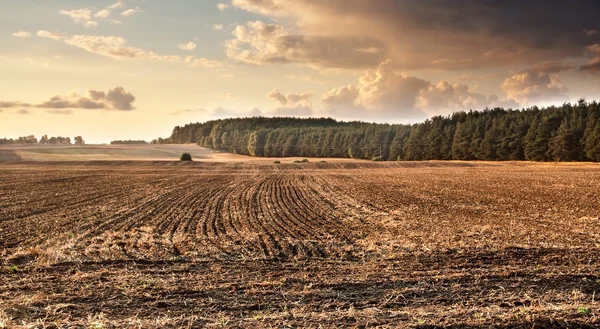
415, 244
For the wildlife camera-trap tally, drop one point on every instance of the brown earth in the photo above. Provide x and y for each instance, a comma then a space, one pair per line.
347, 244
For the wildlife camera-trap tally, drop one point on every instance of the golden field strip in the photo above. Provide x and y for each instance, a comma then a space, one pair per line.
124, 244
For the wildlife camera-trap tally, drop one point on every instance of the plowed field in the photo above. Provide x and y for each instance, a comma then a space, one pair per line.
422, 245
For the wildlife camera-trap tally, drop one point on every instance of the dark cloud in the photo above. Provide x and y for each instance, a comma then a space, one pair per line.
418, 33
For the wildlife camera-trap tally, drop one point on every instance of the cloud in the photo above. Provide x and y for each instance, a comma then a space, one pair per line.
6, 104
217, 27
260, 43
537, 84
229, 95
22, 34
114, 99
444, 98
104, 13
386, 94
188, 46
79, 16
593, 65
222, 6
115, 5
590, 32
131, 12
91, 17
413, 33
117, 48
292, 104
23, 111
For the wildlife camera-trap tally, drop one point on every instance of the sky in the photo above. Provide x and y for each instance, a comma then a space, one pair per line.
134, 69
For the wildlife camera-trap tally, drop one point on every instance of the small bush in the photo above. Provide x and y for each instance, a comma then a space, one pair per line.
378, 159
304, 161
276, 162
322, 161
186, 157
297, 161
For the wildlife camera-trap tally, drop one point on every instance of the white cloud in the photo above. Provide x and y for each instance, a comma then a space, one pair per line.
386, 94
222, 6
537, 85
115, 5
104, 13
79, 16
217, 27
117, 48
22, 34
188, 46
131, 12
292, 104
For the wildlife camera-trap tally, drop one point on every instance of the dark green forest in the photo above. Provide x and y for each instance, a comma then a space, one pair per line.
570, 132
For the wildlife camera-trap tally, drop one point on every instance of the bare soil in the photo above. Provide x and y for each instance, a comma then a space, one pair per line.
109, 244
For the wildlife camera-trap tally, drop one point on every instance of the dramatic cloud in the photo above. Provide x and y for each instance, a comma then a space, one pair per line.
414, 33
114, 99
131, 12
189, 46
292, 104
260, 43
22, 34
385, 94
593, 66
116, 48
536, 85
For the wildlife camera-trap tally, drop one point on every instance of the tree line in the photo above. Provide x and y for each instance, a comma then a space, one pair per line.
570, 132
127, 142
31, 139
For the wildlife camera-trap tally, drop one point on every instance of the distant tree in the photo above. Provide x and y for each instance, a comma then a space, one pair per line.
79, 140
44, 139
186, 157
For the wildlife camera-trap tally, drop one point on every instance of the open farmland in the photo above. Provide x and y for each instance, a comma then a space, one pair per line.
347, 244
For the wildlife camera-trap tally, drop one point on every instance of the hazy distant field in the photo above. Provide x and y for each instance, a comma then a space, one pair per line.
171, 152
99, 152
347, 244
